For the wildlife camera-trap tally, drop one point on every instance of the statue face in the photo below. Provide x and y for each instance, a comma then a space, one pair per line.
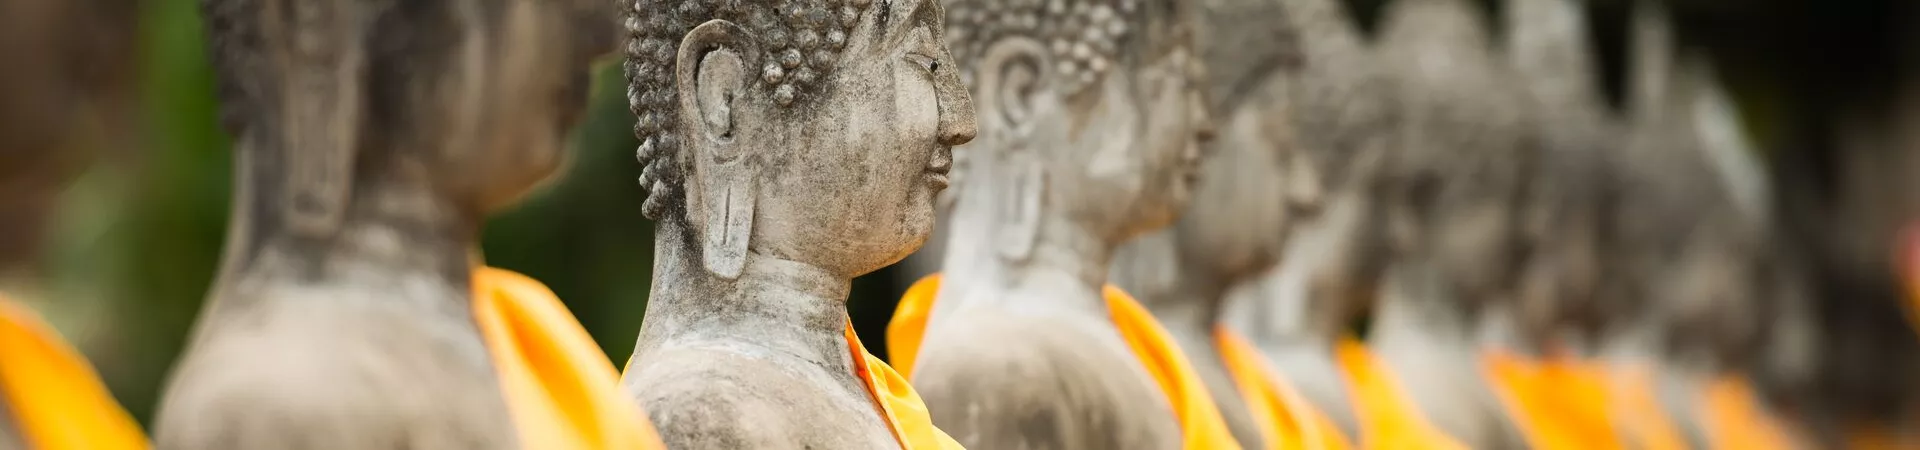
1236, 221
1134, 139
854, 187
534, 91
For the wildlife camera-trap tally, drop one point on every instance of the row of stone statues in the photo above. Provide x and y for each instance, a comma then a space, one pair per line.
1165, 222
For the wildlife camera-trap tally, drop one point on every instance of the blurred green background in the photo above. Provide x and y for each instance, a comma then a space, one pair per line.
137, 240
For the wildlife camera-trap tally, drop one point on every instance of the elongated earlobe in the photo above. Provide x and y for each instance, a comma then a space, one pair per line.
319, 120
712, 79
1020, 208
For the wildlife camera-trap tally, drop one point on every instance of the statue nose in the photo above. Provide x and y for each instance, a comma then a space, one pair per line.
957, 123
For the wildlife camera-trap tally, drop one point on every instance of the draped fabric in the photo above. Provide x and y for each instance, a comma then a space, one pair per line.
53, 395
561, 390
1558, 403
1201, 424
1388, 420
1644, 423
899, 405
1735, 419
1286, 420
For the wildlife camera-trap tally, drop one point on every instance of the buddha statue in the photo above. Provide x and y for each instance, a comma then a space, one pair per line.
788, 148
1694, 276
1450, 214
351, 309
1091, 120
66, 100
1292, 136
1343, 113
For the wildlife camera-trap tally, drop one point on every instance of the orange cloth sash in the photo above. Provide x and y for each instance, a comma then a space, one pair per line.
1201, 425
1558, 403
1286, 420
1644, 423
55, 398
1388, 420
561, 391
899, 405
1735, 419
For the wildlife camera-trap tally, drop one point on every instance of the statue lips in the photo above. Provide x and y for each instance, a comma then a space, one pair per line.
938, 167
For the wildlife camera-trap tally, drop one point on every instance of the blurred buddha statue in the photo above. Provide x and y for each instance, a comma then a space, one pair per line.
1693, 274
66, 99
1091, 119
788, 148
1342, 112
1303, 108
1450, 215
352, 308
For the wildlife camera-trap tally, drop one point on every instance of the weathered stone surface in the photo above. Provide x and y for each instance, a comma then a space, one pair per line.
372, 139
1451, 215
1090, 122
788, 148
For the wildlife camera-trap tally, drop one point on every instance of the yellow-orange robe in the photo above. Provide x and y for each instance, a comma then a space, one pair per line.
1201, 425
561, 391
905, 414
1735, 419
56, 400
1563, 403
1388, 420
1643, 421
1286, 420
1557, 403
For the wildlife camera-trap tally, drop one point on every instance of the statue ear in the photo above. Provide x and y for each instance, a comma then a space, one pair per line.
1020, 208
711, 77
323, 68
1011, 75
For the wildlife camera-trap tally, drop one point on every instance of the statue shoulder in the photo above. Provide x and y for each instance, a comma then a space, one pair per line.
324, 376
1040, 383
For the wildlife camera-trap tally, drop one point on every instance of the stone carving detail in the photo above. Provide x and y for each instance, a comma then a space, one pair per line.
366, 160
800, 40
788, 147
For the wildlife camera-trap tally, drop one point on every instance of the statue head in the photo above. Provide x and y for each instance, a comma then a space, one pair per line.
1255, 177
469, 100
1451, 208
1091, 109
1562, 217
817, 131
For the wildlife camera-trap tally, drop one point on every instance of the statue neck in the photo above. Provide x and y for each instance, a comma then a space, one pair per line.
1065, 264
1298, 310
395, 232
1415, 310
1184, 295
791, 308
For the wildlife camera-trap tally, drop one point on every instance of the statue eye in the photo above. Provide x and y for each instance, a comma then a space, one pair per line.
927, 63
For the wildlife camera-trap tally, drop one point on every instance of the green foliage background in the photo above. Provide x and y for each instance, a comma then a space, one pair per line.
138, 239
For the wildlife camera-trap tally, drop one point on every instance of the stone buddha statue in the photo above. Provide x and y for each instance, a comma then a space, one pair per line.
371, 141
1343, 112
1561, 214
1301, 105
1450, 213
788, 148
1091, 121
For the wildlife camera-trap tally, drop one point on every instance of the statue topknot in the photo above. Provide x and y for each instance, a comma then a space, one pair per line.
801, 41
1086, 37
